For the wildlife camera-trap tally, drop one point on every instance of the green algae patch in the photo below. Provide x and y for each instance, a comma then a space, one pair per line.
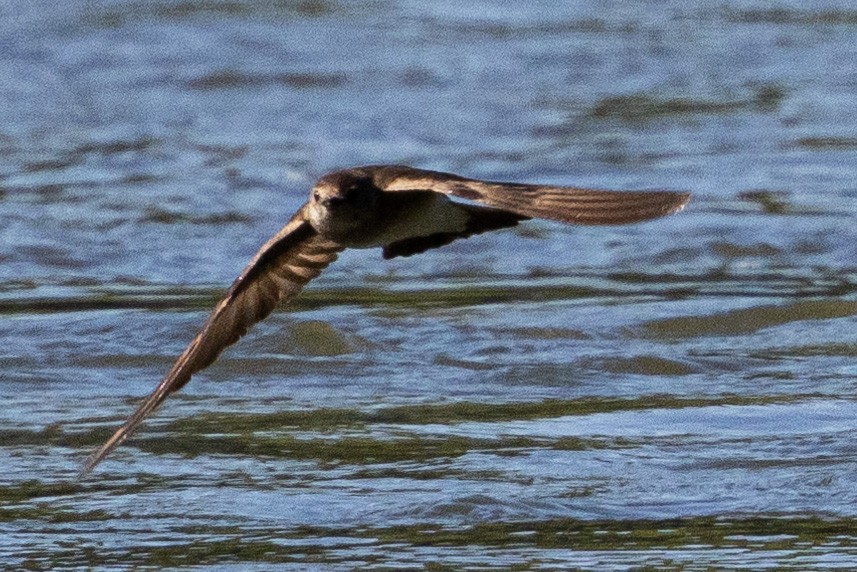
54, 434
317, 338
97, 298
33, 489
647, 365
645, 107
762, 532
748, 320
451, 413
458, 296
369, 450
344, 435
771, 202
267, 435
363, 546
827, 142
343, 450
805, 351
164, 216
46, 513
35, 500
789, 16
412, 298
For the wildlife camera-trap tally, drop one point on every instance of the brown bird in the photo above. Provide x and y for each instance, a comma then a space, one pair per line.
404, 211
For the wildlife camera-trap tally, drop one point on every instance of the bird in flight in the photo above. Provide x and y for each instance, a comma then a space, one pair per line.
404, 211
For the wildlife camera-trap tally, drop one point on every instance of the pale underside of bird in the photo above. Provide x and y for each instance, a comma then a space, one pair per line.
404, 211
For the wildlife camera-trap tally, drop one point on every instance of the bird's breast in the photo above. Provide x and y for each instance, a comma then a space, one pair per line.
404, 215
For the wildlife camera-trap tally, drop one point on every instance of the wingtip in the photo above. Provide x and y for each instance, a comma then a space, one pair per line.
682, 202
95, 458
86, 469
118, 437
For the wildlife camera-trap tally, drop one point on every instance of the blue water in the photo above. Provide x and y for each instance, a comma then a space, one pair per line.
674, 394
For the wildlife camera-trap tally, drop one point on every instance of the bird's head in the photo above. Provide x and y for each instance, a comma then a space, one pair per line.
342, 202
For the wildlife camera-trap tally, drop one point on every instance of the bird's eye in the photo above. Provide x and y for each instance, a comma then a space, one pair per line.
316, 197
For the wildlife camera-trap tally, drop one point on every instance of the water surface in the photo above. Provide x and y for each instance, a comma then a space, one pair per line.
677, 394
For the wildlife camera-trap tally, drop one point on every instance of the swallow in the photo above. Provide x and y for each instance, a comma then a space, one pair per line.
402, 210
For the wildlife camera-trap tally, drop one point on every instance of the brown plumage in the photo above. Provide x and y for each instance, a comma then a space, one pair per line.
404, 211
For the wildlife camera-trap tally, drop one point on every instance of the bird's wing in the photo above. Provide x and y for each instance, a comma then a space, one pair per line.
277, 273
567, 204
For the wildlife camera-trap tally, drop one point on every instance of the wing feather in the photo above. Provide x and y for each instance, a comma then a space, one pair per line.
567, 204
276, 274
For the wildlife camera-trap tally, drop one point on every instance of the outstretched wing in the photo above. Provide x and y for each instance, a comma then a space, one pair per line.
567, 204
281, 268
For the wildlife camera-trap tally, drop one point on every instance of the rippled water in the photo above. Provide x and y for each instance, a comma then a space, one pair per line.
678, 394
